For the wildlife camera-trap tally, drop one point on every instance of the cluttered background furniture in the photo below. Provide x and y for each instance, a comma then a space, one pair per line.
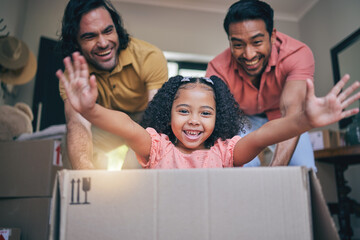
342, 158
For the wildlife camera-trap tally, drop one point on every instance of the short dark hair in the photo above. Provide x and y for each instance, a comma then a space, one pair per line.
73, 13
250, 10
229, 118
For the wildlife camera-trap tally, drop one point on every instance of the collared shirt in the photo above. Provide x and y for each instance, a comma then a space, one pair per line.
164, 154
290, 60
142, 67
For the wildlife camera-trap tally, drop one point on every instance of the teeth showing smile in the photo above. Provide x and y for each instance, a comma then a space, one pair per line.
104, 53
253, 62
192, 134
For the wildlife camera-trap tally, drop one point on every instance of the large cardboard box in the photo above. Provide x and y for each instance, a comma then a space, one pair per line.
27, 175
31, 215
28, 168
279, 203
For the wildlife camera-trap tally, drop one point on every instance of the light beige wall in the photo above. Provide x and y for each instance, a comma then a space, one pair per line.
13, 19
323, 27
29, 20
175, 30
13, 16
180, 30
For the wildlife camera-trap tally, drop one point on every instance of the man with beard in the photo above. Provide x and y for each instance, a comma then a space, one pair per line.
266, 72
128, 73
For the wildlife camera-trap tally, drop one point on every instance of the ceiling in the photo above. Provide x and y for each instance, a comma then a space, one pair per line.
291, 10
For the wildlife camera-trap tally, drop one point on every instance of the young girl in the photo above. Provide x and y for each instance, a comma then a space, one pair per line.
193, 122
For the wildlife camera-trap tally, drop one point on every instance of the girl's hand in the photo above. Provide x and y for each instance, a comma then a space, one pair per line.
81, 89
330, 109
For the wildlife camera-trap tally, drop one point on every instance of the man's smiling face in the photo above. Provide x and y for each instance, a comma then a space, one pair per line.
98, 40
250, 45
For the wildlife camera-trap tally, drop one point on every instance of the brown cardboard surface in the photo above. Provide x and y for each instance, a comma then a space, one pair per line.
31, 215
237, 203
27, 168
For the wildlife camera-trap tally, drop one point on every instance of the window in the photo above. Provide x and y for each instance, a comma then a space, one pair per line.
190, 65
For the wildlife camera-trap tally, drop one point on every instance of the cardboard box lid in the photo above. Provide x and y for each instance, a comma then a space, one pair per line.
28, 168
237, 203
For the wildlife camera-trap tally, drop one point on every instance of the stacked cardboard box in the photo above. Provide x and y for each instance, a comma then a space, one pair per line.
27, 174
279, 203
327, 138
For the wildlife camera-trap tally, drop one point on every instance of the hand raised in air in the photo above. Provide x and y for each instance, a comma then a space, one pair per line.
81, 89
331, 108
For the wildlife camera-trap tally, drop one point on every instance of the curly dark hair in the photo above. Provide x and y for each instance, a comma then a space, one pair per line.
250, 10
73, 13
229, 118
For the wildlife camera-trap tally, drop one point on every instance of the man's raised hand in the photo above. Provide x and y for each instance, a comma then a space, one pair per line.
80, 88
331, 108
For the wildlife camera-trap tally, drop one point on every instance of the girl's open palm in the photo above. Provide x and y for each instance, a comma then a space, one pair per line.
330, 109
81, 89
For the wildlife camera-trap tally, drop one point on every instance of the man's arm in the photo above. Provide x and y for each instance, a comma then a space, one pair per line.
78, 139
316, 112
291, 101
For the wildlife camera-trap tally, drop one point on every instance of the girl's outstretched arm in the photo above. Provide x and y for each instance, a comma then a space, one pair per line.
82, 93
317, 112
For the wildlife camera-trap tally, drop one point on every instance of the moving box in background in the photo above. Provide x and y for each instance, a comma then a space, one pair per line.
279, 203
322, 139
27, 175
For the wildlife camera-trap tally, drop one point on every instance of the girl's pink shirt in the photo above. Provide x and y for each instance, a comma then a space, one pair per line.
164, 154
